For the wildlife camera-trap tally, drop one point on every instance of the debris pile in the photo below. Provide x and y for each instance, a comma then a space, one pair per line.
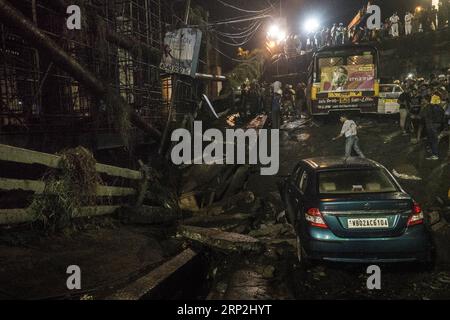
68, 189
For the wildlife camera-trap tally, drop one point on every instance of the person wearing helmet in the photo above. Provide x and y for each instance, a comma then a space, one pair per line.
433, 115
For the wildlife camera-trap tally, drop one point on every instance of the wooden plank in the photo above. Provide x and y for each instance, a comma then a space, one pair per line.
15, 216
39, 186
144, 285
25, 185
106, 191
14, 154
25, 156
118, 172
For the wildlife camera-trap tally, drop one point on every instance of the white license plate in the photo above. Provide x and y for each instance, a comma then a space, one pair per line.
368, 223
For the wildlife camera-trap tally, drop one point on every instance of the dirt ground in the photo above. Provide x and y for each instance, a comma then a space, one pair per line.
109, 254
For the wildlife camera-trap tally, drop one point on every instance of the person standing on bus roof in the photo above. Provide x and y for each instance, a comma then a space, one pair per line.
340, 34
408, 23
350, 131
333, 34
394, 25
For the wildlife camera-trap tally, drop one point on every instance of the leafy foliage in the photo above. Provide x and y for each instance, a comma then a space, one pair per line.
67, 189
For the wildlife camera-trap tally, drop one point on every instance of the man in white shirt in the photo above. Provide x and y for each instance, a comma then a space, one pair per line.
350, 131
408, 23
394, 25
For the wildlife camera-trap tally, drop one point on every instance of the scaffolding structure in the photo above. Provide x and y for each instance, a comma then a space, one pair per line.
36, 95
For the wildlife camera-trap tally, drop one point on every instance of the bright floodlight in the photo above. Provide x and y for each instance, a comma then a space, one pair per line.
276, 33
311, 25
410, 76
273, 31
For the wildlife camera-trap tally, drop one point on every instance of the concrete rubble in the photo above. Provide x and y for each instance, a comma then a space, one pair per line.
220, 240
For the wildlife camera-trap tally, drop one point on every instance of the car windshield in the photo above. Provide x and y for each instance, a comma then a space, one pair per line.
347, 182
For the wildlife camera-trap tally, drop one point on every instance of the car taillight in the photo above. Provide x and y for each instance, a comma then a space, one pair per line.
416, 215
314, 217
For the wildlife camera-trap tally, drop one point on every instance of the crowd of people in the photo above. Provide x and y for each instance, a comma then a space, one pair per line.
425, 108
423, 19
272, 99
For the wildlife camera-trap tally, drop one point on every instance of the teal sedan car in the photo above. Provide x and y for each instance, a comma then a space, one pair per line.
353, 210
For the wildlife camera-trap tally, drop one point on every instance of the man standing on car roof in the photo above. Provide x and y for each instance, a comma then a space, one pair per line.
350, 131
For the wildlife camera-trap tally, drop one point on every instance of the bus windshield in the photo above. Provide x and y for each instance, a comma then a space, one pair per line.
346, 70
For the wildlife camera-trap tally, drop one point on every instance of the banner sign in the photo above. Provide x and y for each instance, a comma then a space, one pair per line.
181, 51
348, 78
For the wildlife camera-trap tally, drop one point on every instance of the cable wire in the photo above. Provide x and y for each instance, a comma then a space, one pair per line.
233, 59
240, 9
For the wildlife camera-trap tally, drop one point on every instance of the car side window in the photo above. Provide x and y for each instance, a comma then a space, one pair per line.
303, 183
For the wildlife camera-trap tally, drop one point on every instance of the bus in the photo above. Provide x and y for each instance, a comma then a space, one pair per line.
343, 78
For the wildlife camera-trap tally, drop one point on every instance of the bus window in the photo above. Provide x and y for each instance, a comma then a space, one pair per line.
328, 62
360, 60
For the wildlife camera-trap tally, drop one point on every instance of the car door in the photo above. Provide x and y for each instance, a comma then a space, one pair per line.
289, 196
302, 186
297, 190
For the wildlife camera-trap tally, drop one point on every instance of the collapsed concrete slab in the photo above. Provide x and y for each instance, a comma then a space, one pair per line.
220, 240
